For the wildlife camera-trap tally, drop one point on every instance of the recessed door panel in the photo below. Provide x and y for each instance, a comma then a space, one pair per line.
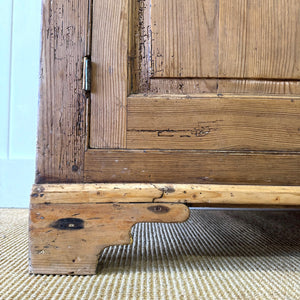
161, 71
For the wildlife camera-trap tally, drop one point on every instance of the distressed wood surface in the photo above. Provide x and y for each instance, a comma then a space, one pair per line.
68, 238
259, 39
182, 86
262, 35
140, 41
170, 193
62, 118
184, 38
133, 78
109, 74
61, 130
190, 166
194, 86
220, 123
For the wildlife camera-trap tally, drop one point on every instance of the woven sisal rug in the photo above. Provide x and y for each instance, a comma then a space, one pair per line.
214, 255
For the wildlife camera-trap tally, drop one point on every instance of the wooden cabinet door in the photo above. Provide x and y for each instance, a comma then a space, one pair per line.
195, 91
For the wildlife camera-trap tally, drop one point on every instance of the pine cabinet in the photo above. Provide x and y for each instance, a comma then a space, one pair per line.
147, 107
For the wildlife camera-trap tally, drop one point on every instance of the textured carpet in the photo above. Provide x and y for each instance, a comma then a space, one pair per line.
214, 255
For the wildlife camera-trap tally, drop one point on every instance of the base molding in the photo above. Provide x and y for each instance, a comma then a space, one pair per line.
169, 193
70, 224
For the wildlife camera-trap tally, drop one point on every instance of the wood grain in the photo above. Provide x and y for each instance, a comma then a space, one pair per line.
68, 238
110, 44
184, 86
221, 123
61, 130
159, 192
259, 87
184, 38
140, 53
259, 39
190, 166
194, 86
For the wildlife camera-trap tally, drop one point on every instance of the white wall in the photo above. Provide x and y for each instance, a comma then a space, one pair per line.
19, 72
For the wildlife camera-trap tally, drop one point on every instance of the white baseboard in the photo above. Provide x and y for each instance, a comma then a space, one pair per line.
16, 179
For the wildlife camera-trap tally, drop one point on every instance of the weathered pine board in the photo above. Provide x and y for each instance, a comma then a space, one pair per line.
61, 129
182, 86
109, 74
140, 39
193, 86
170, 193
68, 238
259, 87
220, 123
259, 39
184, 38
190, 166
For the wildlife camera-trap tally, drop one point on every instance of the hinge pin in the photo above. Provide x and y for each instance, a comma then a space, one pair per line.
86, 83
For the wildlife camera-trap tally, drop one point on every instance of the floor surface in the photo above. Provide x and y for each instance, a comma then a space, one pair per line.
214, 255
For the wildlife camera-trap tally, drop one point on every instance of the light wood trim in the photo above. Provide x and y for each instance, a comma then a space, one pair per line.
169, 193
68, 238
189, 166
109, 74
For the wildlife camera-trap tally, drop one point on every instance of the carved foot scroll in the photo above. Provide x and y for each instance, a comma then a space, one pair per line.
68, 238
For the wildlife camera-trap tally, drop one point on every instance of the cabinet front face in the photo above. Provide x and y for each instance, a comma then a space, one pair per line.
183, 92
195, 91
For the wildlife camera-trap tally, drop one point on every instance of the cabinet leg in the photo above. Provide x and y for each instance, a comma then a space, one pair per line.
68, 238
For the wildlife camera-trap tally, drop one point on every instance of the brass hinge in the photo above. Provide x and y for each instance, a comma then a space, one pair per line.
86, 82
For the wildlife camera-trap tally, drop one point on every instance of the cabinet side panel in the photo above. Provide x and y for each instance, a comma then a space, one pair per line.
61, 131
